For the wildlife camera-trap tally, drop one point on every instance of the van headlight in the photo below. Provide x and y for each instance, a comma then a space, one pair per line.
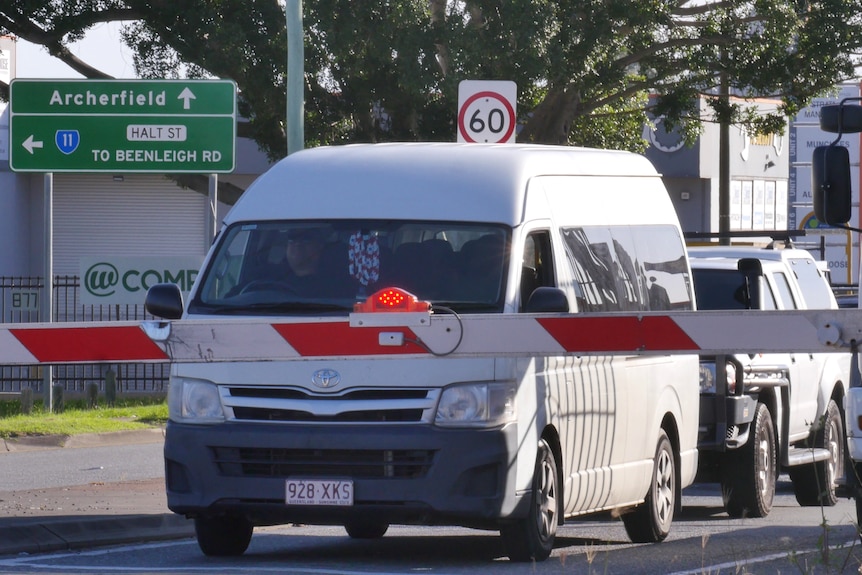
194, 401
476, 405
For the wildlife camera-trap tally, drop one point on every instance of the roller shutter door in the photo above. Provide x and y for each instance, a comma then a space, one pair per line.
144, 215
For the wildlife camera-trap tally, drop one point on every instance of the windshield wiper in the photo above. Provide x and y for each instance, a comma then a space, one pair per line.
462, 306
284, 306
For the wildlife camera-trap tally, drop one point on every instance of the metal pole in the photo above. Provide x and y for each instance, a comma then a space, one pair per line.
294, 128
212, 212
48, 297
724, 165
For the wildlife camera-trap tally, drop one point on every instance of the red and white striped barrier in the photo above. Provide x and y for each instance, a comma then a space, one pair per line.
387, 334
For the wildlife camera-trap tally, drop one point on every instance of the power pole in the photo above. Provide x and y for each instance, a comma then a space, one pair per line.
724, 159
294, 120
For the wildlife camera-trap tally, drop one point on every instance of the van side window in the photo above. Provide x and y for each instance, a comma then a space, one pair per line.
628, 274
628, 268
537, 267
589, 254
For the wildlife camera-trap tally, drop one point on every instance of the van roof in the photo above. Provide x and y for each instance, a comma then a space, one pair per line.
435, 181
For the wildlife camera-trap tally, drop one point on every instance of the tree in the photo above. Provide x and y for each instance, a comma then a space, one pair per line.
381, 70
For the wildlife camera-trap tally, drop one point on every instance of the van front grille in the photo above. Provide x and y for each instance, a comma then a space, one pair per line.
377, 416
358, 405
370, 463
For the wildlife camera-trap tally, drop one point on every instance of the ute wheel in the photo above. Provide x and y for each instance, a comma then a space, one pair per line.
814, 484
748, 478
223, 536
650, 521
366, 529
532, 538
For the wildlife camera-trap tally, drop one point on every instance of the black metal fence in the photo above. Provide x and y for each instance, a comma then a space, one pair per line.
20, 302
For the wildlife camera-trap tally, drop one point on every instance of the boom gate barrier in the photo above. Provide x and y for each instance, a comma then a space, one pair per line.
423, 333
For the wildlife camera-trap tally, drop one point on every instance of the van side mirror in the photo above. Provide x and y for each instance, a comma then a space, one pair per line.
165, 301
830, 165
830, 184
547, 299
841, 119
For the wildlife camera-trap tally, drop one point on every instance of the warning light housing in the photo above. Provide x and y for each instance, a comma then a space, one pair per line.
391, 299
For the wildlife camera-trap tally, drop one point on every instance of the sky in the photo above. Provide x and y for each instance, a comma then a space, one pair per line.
101, 48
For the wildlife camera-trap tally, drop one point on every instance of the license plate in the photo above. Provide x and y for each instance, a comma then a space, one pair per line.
319, 492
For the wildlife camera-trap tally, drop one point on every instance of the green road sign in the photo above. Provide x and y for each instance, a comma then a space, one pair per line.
164, 126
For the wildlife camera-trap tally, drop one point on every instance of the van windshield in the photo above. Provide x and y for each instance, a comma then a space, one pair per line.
323, 267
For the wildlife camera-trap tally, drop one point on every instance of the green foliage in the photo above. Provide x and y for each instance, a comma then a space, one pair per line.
389, 70
77, 417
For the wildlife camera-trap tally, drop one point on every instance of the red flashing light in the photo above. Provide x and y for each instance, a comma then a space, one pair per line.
392, 299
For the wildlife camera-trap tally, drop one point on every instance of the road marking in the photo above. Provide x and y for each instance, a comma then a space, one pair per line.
735, 565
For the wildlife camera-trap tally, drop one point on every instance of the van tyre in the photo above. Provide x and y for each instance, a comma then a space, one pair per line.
532, 538
223, 536
366, 529
748, 478
650, 522
815, 484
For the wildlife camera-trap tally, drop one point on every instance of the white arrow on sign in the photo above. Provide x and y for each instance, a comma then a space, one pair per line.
186, 95
29, 144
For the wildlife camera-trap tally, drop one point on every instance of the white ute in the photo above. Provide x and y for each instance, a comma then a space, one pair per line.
762, 414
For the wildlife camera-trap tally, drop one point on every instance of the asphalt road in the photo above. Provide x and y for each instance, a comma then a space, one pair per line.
84, 460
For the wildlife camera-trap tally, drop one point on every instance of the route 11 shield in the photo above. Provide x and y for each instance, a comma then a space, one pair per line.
67, 140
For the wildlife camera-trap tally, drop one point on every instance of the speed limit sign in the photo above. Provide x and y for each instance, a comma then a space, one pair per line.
486, 111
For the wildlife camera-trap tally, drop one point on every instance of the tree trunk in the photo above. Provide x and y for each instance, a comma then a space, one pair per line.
438, 22
552, 119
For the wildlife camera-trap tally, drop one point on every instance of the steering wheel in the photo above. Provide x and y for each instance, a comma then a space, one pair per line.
262, 285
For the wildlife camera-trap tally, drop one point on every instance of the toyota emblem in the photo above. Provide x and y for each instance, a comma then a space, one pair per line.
326, 378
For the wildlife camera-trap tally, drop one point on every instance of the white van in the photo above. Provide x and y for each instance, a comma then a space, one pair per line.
510, 444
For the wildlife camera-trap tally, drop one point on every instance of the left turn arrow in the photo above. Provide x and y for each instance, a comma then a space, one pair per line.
29, 144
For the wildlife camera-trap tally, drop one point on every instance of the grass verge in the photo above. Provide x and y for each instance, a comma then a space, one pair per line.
78, 417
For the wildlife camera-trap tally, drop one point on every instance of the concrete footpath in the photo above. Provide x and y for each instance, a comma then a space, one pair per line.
79, 516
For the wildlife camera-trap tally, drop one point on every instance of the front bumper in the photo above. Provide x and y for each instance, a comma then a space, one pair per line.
405, 474
724, 421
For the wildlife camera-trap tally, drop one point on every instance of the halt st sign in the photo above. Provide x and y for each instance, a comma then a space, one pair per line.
486, 111
162, 126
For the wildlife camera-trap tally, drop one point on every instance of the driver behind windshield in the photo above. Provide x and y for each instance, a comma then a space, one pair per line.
314, 265
303, 251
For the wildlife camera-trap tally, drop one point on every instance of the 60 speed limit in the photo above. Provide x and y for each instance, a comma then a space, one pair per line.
486, 117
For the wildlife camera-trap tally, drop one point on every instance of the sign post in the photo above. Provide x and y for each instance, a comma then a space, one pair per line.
131, 126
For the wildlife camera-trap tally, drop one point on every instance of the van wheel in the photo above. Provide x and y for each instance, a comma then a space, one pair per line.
748, 478
532, 538
650, 521
815, 484
223, 536
366, 529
